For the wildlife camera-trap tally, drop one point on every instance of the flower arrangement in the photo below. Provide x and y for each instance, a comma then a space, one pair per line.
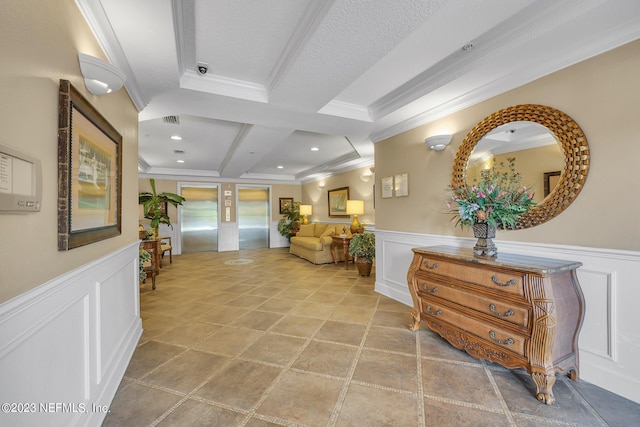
497, 199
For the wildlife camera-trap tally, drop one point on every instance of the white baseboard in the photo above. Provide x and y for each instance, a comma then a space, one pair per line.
608, 342
65, 345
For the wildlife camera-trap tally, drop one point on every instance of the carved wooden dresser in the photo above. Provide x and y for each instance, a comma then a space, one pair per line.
517, 311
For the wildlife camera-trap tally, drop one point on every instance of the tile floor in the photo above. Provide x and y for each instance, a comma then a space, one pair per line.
263, 338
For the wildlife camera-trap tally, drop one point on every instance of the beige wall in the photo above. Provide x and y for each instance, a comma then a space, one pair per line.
358, 190
40, 45
600, 94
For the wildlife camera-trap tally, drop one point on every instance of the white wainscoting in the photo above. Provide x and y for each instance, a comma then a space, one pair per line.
609, 340
65, 345
277, 240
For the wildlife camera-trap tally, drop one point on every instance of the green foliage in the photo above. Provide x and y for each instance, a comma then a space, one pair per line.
290, 220
152, 203
498, 198
144, 257
363, 246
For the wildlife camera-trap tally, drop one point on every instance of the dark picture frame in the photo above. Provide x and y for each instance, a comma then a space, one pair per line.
283, 203
550, 181
89, 172
337, 202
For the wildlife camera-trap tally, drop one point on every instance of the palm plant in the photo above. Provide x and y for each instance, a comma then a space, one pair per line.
152, 204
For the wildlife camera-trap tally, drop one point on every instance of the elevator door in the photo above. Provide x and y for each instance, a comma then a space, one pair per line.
253, 217
199, 219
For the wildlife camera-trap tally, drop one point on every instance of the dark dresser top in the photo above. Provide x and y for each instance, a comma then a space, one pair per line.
520, 262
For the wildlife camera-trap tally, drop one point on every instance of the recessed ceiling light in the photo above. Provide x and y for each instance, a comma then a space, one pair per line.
180, 161
280, 167
176, 137
315, 149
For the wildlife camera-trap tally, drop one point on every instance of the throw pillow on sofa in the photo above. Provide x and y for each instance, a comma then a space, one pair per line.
306, 230
330, 231
320, 228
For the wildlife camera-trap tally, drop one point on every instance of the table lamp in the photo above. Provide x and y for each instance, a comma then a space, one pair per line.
304, 211
355, 208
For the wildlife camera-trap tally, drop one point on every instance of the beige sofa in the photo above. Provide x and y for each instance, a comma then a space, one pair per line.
313, 242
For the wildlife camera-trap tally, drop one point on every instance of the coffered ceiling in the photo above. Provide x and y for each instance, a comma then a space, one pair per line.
286, 76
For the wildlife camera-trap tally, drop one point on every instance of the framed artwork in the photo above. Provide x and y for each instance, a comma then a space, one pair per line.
401, 184
89, 172
550, 181
284, 201
387, 187
338, 202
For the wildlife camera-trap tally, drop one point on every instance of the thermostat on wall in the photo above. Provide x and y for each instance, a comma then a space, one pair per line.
20, 181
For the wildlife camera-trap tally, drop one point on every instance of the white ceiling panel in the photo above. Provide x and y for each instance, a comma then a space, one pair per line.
284, 75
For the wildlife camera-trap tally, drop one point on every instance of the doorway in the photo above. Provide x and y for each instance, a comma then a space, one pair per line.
199, 219
253, 217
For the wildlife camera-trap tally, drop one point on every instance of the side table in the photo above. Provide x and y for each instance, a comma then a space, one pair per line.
153, 247
344, 242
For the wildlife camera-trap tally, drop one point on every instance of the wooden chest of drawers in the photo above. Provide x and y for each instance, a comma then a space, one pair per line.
518, 311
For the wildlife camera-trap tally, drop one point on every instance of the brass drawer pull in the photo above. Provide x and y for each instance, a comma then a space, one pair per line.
506, 342
434, 265
433, 313
431, 291
509, 283
506, 314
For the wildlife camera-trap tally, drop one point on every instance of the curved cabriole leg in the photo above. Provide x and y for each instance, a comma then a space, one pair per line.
544, 386
415, 315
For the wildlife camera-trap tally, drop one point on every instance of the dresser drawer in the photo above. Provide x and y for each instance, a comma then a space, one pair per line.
490, 333
509, 282
497, 308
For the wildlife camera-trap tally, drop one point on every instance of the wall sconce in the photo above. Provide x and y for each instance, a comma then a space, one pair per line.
304, 211
438, 142
355, 208
100, 77
320, 187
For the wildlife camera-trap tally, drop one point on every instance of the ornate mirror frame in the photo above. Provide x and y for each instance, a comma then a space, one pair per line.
574, 147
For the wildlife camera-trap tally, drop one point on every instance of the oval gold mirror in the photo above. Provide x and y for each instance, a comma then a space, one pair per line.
573, 144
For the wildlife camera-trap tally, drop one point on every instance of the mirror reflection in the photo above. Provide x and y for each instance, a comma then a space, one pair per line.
539, 156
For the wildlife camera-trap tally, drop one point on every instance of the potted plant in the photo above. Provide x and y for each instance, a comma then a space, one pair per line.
363, 247
496, 200
153, 203
290, 222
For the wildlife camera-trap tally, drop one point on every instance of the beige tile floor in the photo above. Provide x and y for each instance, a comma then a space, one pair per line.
263, 338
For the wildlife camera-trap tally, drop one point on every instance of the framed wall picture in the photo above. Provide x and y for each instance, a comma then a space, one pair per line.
401, 184
284, 201
550, 181
387, 187
89, 172
338, 202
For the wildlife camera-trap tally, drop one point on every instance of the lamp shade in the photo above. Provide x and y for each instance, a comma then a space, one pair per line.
306, 210
355, 207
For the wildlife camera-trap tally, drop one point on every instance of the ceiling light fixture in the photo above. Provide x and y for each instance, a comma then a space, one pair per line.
100, 77
467, 47
176, 137
315, 149
280, 167
180, 161
438, 142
